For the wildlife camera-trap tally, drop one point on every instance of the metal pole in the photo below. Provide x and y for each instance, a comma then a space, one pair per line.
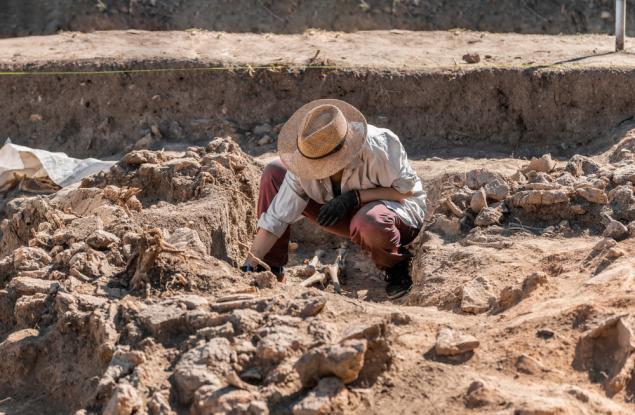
620, 24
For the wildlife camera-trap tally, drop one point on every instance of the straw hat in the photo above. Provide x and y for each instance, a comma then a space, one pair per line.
321, 138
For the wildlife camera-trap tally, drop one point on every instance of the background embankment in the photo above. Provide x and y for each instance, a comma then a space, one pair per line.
31, 17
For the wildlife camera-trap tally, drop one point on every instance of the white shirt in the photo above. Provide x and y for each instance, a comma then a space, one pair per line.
382, 162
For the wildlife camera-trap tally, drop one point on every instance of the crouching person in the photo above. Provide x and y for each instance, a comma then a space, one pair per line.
348, 177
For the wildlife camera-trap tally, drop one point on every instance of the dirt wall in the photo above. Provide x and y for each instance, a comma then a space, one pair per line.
521, 111
30, 17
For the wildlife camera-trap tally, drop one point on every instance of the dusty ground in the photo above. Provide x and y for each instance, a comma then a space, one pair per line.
122, 301
121, 296
29, 17
407, 49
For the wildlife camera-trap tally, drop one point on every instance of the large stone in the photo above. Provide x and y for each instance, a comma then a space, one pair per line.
477, 178
344, 360
543, 164
28, 309
163, 321
203, 365
477, 296
593, 195
211, 400
30, 258
581, 165
478, 201
540, 197
29, 286
124, 401
101, 239
624, 174
451, 342
329, 396
489, 216
278, 344
497, 189
615, 230
188, 378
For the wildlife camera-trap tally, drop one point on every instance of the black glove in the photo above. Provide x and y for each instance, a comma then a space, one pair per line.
247, 268
338, 208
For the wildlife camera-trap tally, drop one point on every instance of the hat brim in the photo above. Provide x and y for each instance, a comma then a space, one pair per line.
310, 169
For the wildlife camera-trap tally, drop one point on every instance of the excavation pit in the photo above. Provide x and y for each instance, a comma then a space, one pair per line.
127, 283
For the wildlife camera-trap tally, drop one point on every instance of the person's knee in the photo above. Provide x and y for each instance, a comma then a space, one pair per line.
373, 230
274, 172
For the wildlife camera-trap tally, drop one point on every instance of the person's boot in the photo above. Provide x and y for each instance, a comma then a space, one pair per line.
398, 280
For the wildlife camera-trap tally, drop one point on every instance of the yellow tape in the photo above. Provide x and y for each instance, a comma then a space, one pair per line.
246, 68
276, 68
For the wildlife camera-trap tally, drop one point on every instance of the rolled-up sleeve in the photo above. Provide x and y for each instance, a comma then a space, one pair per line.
391, 166
285, 208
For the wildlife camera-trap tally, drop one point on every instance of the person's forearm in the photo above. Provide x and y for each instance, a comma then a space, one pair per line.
262, 244
383, 193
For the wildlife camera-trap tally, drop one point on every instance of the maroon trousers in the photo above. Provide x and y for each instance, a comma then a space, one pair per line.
374, 227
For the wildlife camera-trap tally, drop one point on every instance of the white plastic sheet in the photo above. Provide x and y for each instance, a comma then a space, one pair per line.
16, 161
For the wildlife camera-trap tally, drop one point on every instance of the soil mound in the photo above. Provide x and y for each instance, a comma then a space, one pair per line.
119, 296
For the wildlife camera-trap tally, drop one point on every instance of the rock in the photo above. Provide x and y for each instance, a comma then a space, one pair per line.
262, 129
448, 227
188, 378
211, 400
28, 309
163, 321
190, 301
605, 349
497, 189
78, 230
307, 307
479, 395
265, 279
278, 344
472, 58
203, 365
593, 195
329, 396
581, 165
566, 180
101, 239
529, 366
187, 239
451, 342
477, 178
526, 198
30, 286
624, 174
615, 253
489, 216
370, 331
603, 244
543, 164
477, 297
631, 229
615, 230
124, 401
478, 201
30, 258
344, 360
265, 140
246, 320
187, 166
159, 404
